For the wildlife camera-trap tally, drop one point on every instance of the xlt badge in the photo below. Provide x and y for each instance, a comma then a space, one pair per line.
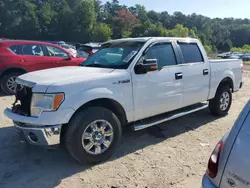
122, 81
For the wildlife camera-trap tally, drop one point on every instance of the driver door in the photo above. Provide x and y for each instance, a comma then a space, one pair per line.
158, 91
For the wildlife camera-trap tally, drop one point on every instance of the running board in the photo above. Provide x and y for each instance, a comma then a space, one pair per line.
173, 115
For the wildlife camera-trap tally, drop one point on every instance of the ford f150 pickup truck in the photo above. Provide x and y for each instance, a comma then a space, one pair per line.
138, 82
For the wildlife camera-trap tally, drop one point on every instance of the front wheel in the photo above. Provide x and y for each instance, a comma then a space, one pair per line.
222, 101
93, 135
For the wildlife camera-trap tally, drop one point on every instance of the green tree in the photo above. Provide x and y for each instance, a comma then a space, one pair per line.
208, 49
46, 16
153, 16
141, 13
165, 19
179, 31
29, 26
101, 32
86, 20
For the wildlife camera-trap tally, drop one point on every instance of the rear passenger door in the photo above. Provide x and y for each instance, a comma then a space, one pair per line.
32, 57
195, 72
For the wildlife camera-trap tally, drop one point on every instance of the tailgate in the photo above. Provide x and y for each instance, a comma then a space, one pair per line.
236, 173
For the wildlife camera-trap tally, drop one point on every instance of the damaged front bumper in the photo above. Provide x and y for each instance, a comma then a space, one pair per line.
42, 131
40, 136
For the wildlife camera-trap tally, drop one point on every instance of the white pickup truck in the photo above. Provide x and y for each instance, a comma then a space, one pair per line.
138, 82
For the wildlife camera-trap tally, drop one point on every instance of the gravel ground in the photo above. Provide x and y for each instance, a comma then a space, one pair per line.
173, 154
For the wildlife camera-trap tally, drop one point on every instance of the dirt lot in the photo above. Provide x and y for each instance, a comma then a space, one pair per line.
173, 154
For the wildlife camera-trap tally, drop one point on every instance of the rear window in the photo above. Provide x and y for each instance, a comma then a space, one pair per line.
14, 49
191, 53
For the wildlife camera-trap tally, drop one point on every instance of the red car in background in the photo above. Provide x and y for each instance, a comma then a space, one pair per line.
19, 57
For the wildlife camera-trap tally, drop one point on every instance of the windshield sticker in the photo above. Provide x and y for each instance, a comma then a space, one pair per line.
129, 56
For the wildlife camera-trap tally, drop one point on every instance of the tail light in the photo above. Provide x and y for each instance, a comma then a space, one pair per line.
213, 162
242, 67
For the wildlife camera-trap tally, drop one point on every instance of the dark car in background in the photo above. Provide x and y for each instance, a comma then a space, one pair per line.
246, 57
19, 56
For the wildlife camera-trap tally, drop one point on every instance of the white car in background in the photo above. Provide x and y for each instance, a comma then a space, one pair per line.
70, 49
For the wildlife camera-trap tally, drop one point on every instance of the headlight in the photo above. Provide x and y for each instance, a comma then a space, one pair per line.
45, 102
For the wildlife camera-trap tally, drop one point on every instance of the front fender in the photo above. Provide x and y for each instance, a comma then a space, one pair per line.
93, 94
124, 99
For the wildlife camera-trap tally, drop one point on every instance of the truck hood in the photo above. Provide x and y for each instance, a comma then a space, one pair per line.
41, 80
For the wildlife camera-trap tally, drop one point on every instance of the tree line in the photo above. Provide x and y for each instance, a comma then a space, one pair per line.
91, 20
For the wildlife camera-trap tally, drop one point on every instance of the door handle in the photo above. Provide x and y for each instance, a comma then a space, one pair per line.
22, 60
178, 76
205, 72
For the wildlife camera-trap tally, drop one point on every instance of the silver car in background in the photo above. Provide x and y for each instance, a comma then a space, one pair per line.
229, 164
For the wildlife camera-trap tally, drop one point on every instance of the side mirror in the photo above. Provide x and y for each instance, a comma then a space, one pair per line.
148, 65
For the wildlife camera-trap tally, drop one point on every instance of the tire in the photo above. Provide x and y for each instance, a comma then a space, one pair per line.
80, 123
4, 82
215, 104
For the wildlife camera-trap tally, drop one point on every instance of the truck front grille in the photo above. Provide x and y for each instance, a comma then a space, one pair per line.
23, 100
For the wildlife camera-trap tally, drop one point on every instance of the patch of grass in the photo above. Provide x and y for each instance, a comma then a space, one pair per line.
247, 62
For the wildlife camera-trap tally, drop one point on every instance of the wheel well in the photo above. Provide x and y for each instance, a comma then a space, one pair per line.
227, 81
10, 70
110, 104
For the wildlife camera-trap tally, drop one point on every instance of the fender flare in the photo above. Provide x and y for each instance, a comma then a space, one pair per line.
214, 86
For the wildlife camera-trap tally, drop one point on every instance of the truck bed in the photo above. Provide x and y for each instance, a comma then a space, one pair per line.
225, 68
224, 60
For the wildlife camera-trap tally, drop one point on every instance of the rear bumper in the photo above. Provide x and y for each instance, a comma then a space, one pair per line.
206, 183
40, 136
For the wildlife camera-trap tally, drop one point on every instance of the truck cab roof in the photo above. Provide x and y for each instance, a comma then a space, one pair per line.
145, 39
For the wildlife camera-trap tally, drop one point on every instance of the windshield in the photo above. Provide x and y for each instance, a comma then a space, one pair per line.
116, 55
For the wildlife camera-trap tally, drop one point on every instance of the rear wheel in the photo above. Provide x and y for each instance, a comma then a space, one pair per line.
8, 83
93, 135
222, 101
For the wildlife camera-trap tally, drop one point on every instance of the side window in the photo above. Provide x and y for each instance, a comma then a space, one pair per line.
32, 50
191, 53
164, 54
14, 49
56, 52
